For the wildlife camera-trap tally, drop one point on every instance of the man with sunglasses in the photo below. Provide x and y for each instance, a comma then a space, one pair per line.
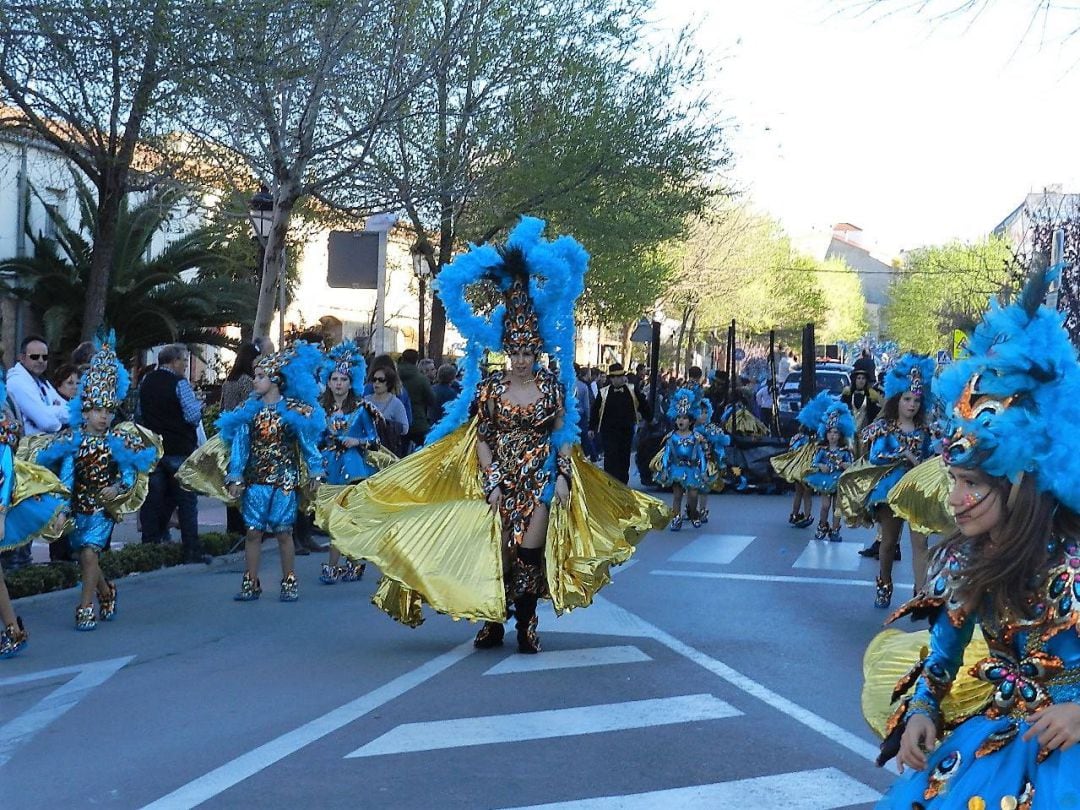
39, 406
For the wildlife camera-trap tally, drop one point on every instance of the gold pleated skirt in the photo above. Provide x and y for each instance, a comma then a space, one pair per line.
425, 523
794, 465
921, 498
892, 653
855, 485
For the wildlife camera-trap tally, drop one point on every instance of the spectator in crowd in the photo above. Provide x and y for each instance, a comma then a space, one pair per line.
38, 406
444, 390
615, 415
764, 398
427, 368
420, 395
168, 406
585, 399
386, 361
395, 421
240, 382
80, 356
66, 380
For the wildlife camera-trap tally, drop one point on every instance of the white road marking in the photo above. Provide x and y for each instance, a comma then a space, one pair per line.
823, 789
825, 555
713, 549
87, 676
504, 728
231, 773
900, 587
567, 659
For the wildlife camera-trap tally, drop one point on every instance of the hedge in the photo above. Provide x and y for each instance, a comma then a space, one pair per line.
130, 559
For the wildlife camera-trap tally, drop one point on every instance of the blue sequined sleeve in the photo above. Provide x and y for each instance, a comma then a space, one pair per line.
821, 459
238, 455
7, 470
309, 450
947, 645
885, 450
363, 428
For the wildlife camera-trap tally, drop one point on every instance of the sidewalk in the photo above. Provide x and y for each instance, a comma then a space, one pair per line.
211, 519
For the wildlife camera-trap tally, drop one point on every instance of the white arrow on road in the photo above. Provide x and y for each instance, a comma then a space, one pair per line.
87, 676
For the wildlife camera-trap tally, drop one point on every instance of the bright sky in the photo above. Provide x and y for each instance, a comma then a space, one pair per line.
916, 129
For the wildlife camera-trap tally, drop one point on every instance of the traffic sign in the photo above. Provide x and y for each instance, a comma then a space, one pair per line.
943, 358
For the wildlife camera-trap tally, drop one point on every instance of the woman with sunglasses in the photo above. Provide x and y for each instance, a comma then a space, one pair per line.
383, 383
1002, 730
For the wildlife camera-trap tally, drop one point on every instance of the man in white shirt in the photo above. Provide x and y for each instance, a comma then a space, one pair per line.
40, 408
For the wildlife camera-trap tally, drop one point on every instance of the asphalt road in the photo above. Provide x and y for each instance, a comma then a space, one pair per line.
721, 669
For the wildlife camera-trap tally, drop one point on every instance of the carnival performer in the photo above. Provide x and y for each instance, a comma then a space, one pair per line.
33, 503
1002, 731
902, 445
350, 441
502, 507
718, 442
832, 457
798, 462
266, 455
106, 469
683, 459
865, 403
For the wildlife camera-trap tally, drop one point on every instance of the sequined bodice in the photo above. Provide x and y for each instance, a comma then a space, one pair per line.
684, 449
9, 431
273, 459
95, 469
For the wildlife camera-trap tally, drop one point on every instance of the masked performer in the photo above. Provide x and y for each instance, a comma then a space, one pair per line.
1000, 732
502, 507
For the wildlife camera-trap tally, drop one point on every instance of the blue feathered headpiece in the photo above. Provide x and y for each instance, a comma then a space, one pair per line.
554, 272
811, 414
706, 408
295, 371
684, 402
912, 372
1010, 406
345, 358
105, 382
838, 415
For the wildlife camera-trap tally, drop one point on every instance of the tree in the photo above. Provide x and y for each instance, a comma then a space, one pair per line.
148, 301
945, 287
97, 80
300, 95
845, 314
559, 110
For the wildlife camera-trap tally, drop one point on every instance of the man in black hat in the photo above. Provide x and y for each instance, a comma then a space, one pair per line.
615, 414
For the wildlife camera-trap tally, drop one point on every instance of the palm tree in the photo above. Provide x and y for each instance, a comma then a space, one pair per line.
149, 301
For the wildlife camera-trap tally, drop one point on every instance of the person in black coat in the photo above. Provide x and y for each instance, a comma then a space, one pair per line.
615, 414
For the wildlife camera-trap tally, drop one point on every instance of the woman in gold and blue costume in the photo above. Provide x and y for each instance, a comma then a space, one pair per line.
500, 507
996, 728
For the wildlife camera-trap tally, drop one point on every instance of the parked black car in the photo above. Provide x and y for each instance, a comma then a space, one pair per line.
832, 377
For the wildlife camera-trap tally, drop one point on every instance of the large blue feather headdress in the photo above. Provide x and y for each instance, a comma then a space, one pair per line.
345, 358
684, 402
539, 281
294, 370
811, 414
838, 415
1010, 406
105, 382
912, 372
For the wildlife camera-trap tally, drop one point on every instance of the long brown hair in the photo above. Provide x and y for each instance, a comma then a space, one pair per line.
892, 410
348, 405
1008, 572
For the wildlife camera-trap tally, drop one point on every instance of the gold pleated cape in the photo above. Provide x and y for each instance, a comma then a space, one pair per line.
921, 498
855, 485
32, 480
794, 465
746, 423
425, 523
892, 653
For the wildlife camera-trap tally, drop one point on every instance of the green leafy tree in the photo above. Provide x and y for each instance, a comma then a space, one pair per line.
845, 306
945, 287
149, 302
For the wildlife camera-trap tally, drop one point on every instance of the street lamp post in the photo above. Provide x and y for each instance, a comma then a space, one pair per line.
261, 213
422, 271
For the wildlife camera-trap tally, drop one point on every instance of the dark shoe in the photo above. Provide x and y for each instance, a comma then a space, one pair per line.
794, 518
490, 635
806, 521
250, 589
13, 638
871, 551
525, 613
835, 536
822, 531
883, 596
290, 589
107, 605
84, 618
330, 574
676, 523
704, 515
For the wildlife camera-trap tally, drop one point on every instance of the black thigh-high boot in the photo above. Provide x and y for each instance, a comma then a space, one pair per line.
528, 584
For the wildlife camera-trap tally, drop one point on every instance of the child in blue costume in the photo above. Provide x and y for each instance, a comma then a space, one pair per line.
274, 456
101, 464
350, 431
32, 503
901, 445
833, 456
717, 442
684, 459
1012, 569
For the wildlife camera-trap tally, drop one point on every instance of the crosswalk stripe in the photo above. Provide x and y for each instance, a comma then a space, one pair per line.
441, 734
861, 583
822, 555
567, 659
822, 789
713, 549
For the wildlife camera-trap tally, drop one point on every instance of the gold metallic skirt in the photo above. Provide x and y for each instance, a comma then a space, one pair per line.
794, 465
425, 523
921, 498
892, 653
855, 485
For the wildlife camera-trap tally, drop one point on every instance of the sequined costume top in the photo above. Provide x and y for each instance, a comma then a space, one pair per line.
684, 460
519, 437
346, 464
268, 448
891, 443
832, 460
1032, 662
